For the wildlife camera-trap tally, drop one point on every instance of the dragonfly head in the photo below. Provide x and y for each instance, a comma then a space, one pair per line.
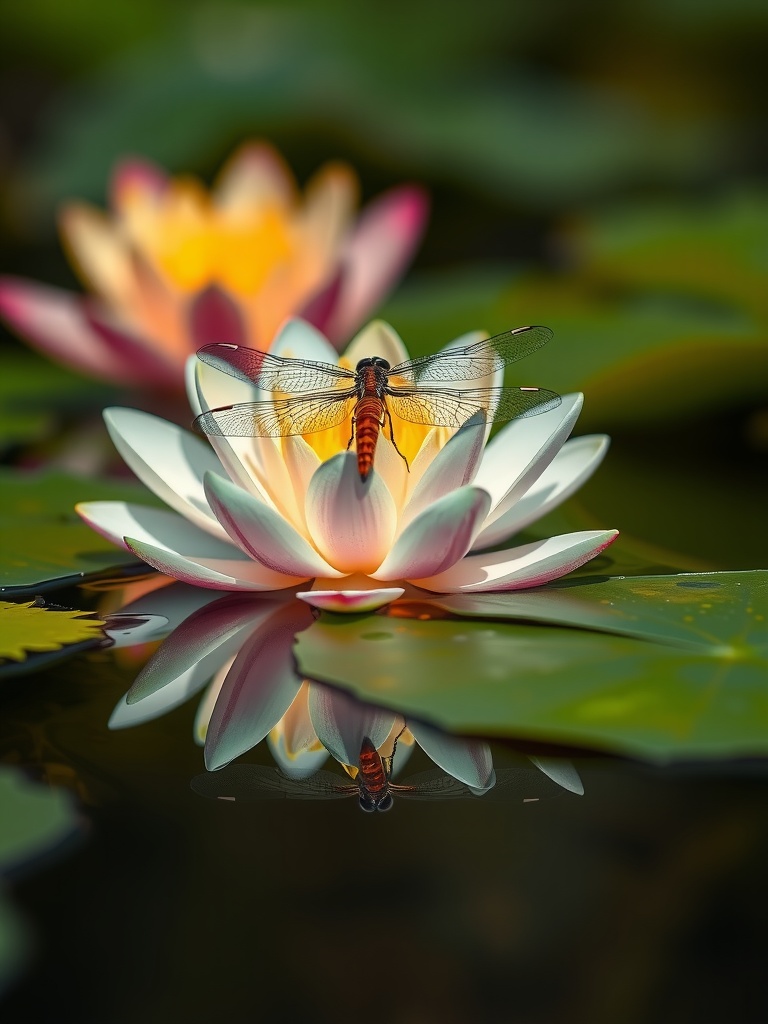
369, 803
376, 361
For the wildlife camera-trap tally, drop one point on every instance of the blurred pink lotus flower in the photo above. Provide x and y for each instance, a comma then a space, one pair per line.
268, 514
174, 267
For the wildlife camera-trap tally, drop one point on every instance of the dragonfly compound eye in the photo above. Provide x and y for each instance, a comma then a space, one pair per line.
385, 804
366, 804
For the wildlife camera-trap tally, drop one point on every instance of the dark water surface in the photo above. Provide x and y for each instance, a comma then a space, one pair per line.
642, 901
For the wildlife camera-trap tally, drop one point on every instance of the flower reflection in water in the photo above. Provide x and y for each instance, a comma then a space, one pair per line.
239, 649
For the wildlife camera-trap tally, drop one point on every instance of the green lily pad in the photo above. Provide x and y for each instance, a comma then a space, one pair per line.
29, 627
33, 821
43, 543
693, 687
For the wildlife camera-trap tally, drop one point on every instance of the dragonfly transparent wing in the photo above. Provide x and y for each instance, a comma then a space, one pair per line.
300, 414
471, 362
273, 373
251, 783
448, 407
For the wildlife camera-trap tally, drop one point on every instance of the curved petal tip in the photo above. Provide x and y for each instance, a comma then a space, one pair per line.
350, 600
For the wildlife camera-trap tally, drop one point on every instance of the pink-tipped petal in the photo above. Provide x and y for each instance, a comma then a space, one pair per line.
574, 463
530, 565
263, 533
170, 461
55, 322
351, 521
454, 466
147, 362
214, 316
214, 573
520, 453
342, 722
350, 601
383, 243
135, 176
469, 761
116, 519
259, 688
438, 538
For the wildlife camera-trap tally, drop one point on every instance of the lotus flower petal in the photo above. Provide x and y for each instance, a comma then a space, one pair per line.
56, 323
171, 462
262, 533
527, 566
351, 521
383, 243
572, 466
438, 537
259, 688
341, 722
206, 571
520, 453
469, 761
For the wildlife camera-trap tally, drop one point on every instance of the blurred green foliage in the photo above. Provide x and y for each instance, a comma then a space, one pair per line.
599, 168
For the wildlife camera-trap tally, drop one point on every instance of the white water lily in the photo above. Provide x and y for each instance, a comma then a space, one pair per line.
265, 514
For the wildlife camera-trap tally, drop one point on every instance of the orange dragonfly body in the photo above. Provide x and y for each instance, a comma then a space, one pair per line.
316, 396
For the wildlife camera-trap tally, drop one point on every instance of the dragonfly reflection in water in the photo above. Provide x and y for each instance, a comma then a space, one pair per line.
320, 395
374, 789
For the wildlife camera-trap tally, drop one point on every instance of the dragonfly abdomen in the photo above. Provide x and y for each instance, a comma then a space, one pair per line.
368, 412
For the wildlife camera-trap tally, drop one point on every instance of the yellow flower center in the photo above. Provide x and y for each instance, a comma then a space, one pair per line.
194, 243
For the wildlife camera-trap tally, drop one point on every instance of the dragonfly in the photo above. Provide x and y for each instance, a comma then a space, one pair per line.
314, 396
372, 785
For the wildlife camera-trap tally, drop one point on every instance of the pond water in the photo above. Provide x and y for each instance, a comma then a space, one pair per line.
641, 901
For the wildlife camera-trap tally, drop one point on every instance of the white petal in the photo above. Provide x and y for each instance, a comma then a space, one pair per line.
438, 538
215, 573
237, 454
453, 467
171, 692
560, 771
169, 460
263, 533
527, 566
351, 521
301, 463
377, 339
521, 452
198, 636
350, 600
469, 761
208, 702
574, 463
116, 520
342, 722
297, 339
260, 687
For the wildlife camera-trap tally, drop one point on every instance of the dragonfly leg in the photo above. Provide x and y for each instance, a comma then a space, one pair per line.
352, 435
387, 417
